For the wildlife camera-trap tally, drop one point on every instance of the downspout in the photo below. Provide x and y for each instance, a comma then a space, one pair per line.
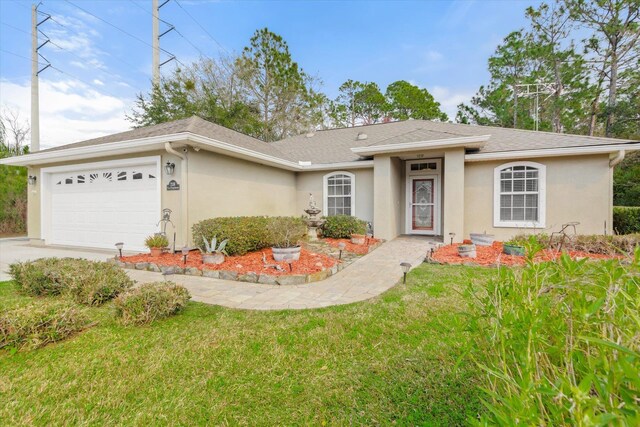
612, 163
184, 196
617, 159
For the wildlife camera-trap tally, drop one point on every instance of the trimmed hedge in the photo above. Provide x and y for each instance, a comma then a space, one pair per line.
87, 282
150, 302
245, 233
343, 226
39, 324
626, 219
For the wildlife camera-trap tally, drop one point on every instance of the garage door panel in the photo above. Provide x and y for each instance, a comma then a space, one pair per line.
99, 207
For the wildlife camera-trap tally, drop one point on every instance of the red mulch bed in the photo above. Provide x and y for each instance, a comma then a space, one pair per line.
492, 255
350, 247
308, 263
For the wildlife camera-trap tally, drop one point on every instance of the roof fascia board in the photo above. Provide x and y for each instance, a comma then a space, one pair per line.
467, 141
359, 164
551, 152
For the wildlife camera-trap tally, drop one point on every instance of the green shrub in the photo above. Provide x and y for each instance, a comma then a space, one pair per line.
343, 226
149, 302
559, 343
87, 282
156, 241
286, 231
245, 234
39, 324
626, 220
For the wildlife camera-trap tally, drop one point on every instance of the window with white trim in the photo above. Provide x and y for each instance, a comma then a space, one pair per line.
339, 194
519, 195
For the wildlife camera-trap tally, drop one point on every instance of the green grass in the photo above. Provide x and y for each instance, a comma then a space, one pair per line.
396, 358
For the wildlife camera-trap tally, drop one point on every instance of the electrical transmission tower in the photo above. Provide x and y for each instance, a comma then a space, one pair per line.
35, 72
534, 90
156, 40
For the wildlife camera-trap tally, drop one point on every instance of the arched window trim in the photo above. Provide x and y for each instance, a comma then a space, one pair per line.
542, 187
325, 191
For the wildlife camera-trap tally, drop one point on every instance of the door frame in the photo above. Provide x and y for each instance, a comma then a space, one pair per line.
47, 182
434, 174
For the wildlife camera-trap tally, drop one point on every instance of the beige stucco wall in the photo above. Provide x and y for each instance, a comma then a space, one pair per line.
224, 186
453, 206
577, 189
313, 182
388, 196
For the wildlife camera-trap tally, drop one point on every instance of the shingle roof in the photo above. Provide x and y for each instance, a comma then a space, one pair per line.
193, 124
334, 145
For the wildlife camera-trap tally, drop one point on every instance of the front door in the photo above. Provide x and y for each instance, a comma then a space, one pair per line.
423, 197
423, 206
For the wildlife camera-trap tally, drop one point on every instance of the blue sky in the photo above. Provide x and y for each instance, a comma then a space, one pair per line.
440, 45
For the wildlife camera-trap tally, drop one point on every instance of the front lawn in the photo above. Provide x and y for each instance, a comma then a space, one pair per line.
393, 358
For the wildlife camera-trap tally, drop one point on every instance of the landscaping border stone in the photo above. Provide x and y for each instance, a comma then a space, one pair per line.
251, 277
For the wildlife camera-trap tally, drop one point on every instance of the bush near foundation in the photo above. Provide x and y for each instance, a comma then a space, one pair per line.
245, 233
87, 282
558, 343
343, 226
626, 219
39, 324
150, 302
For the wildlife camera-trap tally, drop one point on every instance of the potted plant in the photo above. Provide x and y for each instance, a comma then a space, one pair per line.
467, 251
482, 239
213, 253
286, 234
513, 247
156, 243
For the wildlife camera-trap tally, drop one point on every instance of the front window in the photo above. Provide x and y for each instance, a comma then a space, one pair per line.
519, 195
339, 194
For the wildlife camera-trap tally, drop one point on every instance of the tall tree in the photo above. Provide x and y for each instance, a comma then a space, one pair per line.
615, 26
277, 86
408, 101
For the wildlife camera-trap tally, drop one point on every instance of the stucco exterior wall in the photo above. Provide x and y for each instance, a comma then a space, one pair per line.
388, 212
577, 189
224, 186
313, 182
453, 182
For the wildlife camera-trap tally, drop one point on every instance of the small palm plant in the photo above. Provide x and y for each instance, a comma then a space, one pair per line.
213, 253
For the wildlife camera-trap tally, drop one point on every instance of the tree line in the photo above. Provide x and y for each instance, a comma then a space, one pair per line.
589, 85
263, 92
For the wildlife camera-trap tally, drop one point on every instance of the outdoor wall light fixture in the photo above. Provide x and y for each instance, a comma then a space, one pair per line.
341, 246
405, 269
185, 253
119, 246
32, 180
452, 235
169, 168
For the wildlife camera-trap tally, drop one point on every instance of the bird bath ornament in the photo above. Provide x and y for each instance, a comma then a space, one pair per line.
313, 222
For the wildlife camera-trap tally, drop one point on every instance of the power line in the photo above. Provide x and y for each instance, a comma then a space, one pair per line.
120, 29
201, 27
21, 56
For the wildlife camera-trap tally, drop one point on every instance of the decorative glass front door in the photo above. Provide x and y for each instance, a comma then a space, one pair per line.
423, 204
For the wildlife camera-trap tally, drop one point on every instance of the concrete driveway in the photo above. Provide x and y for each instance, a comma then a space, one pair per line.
18, 249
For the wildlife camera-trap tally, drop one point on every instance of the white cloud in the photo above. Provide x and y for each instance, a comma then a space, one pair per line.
449, 99
69, 111
98, 82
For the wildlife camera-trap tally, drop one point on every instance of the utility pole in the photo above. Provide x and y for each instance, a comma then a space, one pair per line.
35, 71
533, 90
156, 43
157, 35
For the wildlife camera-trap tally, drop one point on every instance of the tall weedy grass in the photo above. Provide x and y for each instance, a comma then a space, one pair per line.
559, 343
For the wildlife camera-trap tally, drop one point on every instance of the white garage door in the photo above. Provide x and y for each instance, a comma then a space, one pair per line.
100, 206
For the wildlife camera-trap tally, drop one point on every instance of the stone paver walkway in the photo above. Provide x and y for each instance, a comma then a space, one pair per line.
367, 277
